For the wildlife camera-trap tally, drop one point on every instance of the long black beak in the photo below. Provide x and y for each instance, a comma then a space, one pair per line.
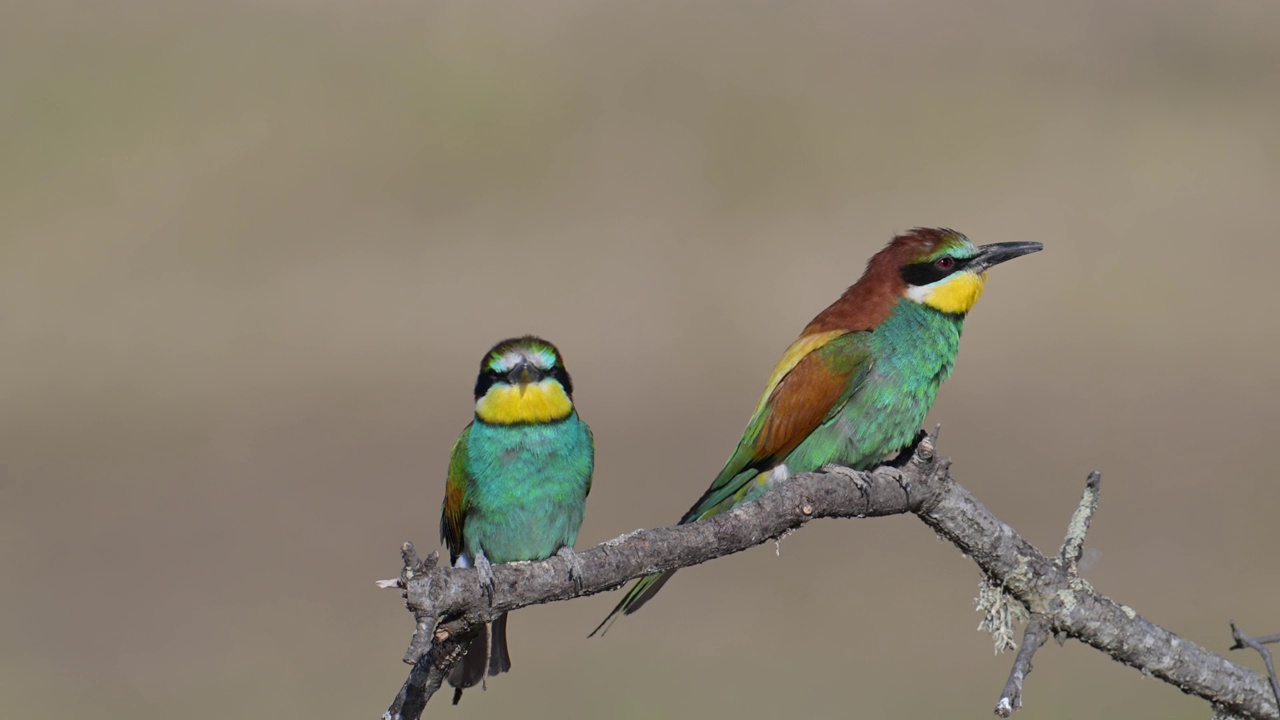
997, 253
523, 374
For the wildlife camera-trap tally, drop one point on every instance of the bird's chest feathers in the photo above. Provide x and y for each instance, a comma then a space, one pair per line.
538, 402
954, 295
916, 349
528, 454
527, 488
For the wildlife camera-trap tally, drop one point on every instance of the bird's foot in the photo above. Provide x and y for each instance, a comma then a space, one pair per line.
908, 451
487, 583
845, 472
852, 475
575, 566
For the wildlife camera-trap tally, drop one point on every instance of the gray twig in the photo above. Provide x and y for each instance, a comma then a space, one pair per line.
1035, 635
1260, 645
424, 621
1073, 545
1264, 640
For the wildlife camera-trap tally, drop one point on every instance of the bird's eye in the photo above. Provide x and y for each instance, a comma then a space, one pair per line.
946, 262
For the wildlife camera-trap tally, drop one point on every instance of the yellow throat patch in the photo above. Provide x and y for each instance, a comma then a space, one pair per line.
956, 294
539, 402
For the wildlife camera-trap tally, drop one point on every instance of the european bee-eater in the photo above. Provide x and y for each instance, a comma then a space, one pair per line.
859, 381
518, 480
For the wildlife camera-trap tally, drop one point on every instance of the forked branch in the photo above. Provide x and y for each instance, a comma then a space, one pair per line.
1038, 630
1259, 644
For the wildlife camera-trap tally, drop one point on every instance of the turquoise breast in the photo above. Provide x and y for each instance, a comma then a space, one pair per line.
529, 488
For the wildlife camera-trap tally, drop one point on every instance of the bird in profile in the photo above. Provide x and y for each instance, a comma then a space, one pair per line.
860, 379
518, 480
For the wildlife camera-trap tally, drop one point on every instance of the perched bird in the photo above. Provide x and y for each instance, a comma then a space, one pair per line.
518, 480
859, 381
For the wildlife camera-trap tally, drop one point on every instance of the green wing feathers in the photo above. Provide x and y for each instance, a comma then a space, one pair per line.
810, 394
591, 441
456, 501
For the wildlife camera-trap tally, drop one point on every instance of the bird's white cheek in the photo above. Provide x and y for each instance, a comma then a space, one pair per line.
918, 293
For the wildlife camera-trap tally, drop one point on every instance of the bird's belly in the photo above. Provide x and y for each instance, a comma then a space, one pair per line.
528, 531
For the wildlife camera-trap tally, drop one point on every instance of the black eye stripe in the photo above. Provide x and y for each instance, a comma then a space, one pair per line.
561, 376
484, 381
928, 272
490, 377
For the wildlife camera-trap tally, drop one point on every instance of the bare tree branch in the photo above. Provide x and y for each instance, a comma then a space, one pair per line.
1260, 645
1033, 637
922, 486
1073, 545
1264, 640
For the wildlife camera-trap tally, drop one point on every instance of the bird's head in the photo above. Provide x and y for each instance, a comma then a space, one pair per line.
523, 380
935, 267
941, 268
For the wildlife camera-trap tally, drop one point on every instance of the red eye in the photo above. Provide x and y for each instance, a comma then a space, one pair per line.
945, 262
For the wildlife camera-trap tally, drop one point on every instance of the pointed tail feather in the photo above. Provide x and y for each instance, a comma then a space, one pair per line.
499, 660
639, 594
470, 670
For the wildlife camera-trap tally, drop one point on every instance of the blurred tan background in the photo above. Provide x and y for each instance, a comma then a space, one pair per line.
251, 253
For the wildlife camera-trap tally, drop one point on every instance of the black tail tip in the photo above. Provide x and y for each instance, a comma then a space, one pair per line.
497, 668
603, 627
